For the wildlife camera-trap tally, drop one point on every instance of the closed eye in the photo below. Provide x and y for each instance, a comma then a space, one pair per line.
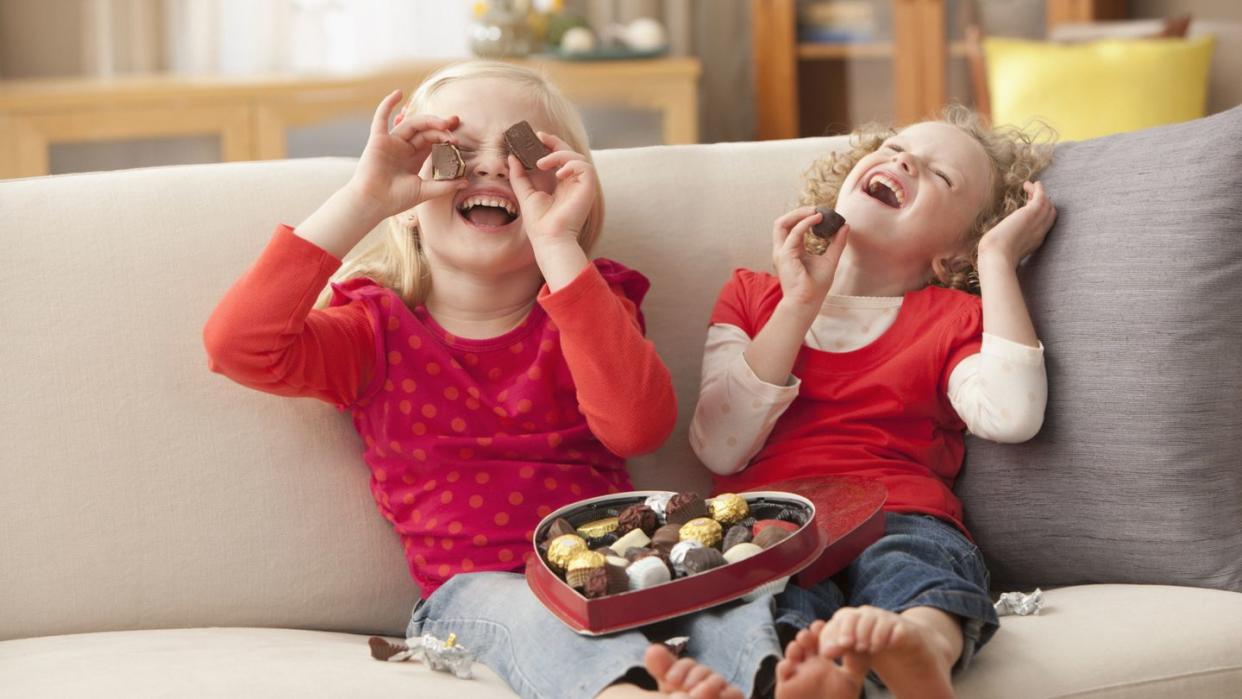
945, 178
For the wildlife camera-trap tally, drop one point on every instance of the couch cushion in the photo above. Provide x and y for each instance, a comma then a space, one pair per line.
1137, 294
141, 490
1101, 641
1113, 641
222, 662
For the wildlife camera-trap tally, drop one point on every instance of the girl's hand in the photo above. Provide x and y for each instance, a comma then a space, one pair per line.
560, 215
805, 278
1022, 232
386, 181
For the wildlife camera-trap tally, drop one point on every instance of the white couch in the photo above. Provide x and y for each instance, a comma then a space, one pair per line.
164, 532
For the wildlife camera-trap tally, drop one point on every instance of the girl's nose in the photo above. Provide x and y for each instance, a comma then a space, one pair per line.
905, 161
491, 162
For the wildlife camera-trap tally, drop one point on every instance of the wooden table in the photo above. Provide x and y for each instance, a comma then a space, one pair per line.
250, 115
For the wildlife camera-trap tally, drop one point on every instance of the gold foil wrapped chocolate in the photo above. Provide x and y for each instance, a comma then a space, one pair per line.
728, 508
581, 565
704, 530
598, 528
562, 549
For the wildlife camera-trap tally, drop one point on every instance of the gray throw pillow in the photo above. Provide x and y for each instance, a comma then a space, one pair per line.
1136, 476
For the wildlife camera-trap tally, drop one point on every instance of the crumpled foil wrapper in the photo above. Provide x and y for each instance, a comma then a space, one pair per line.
1019, 603
443, 656
658, 503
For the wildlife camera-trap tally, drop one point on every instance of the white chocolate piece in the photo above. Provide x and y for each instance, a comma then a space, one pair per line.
633, 539
742, 551
647, 572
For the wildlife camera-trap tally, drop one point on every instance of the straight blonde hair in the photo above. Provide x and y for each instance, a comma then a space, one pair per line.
397, 260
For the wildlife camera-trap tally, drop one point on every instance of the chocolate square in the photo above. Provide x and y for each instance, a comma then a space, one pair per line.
446, 162
522, 142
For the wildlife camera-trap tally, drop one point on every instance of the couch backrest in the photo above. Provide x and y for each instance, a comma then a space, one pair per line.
142, 491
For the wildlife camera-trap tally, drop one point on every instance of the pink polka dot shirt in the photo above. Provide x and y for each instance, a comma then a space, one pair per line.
469, 442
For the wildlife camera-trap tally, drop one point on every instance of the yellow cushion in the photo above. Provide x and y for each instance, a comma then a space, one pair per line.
1098, 88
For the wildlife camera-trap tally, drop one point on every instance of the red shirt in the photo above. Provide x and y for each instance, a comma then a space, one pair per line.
469, 442
881, 411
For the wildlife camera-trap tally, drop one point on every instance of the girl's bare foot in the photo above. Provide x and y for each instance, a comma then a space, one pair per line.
913, 652
804, 672
686, 678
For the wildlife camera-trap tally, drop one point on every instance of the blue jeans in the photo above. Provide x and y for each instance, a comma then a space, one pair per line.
920, 561
496, 617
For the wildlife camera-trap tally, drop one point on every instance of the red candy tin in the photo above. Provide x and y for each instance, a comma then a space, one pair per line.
824, 542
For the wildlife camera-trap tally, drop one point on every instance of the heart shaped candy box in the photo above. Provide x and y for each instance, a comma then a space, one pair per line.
678, 555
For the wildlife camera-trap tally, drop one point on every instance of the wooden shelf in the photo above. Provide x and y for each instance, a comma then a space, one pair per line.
827, 51
802, 86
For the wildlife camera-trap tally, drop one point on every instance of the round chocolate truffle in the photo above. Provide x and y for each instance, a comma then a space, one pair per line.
562, 549
728, 508
638, 517
704, 530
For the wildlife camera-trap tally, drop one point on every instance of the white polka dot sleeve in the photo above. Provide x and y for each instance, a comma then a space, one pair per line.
736, 409
1000, 393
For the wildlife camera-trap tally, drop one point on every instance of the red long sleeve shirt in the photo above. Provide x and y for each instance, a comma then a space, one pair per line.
469, 442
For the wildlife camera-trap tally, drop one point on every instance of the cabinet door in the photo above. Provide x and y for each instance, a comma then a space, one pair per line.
826, 66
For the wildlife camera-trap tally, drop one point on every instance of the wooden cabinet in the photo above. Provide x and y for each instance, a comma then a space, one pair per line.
809, 89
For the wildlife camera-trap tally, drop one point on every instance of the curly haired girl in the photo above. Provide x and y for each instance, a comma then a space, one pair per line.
871, 360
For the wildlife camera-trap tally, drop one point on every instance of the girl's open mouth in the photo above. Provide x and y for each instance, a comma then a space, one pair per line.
488, 211
887, 190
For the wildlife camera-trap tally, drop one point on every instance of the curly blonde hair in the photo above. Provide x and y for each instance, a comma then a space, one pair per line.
397, 260
1016, 154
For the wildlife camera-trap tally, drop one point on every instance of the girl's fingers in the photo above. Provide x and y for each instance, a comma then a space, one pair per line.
557, 159
519, 179
433, 189
409, 128
379, 122
787, 221
551, 141
572, 168
793, 241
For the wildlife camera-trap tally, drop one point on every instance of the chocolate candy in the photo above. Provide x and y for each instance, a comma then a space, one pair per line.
737, 534
598, 528
741, 552
596, 583
580, 565
446, 162
647, 572
684, 507
666, 537
618, 580
770, 536
817, 238
522, 142
728, 508
634, 539
699, 560
638, 517
704, 530
562, 549
678, 555
559, 527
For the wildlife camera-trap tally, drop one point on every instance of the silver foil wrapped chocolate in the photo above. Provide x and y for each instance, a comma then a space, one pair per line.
443, 656
1020, 604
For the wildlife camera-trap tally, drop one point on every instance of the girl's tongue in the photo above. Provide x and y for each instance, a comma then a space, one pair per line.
491, 216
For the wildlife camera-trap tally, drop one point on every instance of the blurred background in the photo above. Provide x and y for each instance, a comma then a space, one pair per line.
106, 84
